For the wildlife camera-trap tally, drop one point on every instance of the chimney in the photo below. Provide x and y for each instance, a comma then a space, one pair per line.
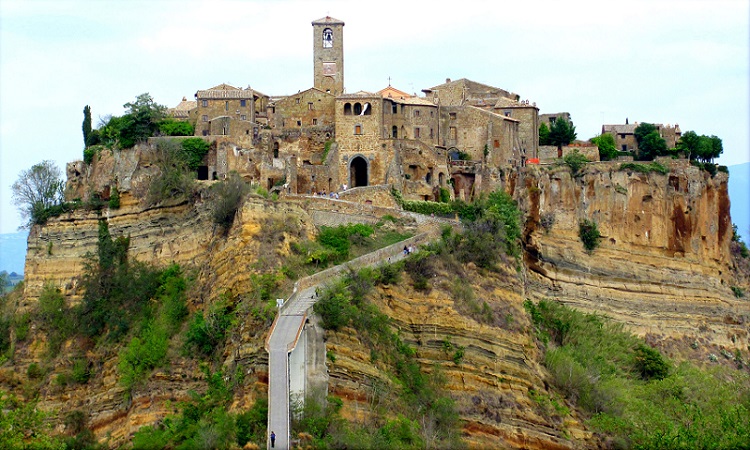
626, 121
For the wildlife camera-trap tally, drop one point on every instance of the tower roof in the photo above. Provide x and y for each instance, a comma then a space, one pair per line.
328, 20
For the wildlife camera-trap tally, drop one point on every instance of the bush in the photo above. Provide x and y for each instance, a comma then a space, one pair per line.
575, 161
171, 127
88, 154
193, 152
644, 167
174, 181
227, 197
588, 231
114, 198
206, 333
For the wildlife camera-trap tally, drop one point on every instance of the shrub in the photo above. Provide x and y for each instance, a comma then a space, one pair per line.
206, 333
445, 195
174, 181
171, 127
227, 197
650, 363
114, 198
55, 317
547, 220
193, 152
738, 292
575, 160
142, 354
588, 231
644, 167
88, 154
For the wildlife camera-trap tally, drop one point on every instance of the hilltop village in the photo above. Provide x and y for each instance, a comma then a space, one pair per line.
461, 135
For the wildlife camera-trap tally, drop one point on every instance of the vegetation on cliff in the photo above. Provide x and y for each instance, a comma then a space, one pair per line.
632, 394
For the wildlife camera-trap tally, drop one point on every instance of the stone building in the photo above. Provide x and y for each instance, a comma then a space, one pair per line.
625, 135
226, 110
323, 138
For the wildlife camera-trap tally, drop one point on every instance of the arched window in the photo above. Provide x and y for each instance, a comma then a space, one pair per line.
347, 109
357, 109
368, 109
275, 149
327, 38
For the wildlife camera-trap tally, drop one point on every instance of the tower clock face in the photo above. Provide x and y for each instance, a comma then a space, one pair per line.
329, 69
327, 38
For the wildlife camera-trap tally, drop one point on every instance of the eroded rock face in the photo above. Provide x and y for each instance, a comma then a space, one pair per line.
662, 268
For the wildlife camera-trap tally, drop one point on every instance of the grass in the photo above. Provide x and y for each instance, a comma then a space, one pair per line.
631, 393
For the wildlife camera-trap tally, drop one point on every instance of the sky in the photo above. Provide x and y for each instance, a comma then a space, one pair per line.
659, 61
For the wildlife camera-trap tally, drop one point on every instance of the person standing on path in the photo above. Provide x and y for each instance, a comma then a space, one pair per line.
273, 439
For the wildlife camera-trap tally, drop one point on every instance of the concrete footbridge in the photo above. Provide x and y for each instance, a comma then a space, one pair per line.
286, 343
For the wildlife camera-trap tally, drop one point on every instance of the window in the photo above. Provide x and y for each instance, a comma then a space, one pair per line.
299, 123
432, 113
309, 106
205, 132
357, 109
395, 108
416, 133
416, 113
452, 116
496, 143
402, 109
297, 99
552, 120
204, 118
357, 129
226, 106
243, 103
204, 103
432, 133
507, 113
347, 109
624, 147
394, 132
243, 117
315, 121
327, 38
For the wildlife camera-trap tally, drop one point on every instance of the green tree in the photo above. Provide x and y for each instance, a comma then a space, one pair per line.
141, 120
651, 146
606, 144
544, 138
37, 190
700, 147
562, 133
642, 130
86, 125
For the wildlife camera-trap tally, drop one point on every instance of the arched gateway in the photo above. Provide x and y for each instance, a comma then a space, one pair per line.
358, 172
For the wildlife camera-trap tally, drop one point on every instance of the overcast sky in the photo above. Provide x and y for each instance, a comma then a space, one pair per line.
659, 61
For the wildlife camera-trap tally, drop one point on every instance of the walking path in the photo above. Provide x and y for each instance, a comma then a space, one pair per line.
288, 325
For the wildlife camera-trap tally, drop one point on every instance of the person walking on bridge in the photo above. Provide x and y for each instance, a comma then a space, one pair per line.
273, 439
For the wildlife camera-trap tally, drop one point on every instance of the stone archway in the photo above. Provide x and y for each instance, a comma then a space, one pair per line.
358, 172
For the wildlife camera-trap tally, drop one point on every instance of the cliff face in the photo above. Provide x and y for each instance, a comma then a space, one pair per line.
662, 268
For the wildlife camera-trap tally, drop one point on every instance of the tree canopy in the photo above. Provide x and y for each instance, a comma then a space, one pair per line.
606, 144
37, 190
562, 133
544, 135
700, 147
140, 121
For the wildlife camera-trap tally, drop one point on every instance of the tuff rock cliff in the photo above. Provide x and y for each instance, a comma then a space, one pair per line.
662, 268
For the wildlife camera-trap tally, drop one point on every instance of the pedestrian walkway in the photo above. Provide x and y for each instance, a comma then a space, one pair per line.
289, 323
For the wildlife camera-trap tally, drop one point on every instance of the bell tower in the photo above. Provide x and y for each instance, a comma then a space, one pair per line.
328, 55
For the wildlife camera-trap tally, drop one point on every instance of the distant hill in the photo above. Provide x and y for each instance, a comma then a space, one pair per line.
13, 251
739, 195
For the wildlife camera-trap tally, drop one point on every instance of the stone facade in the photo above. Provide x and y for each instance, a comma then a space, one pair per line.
625, 135
328, 55
322, 138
